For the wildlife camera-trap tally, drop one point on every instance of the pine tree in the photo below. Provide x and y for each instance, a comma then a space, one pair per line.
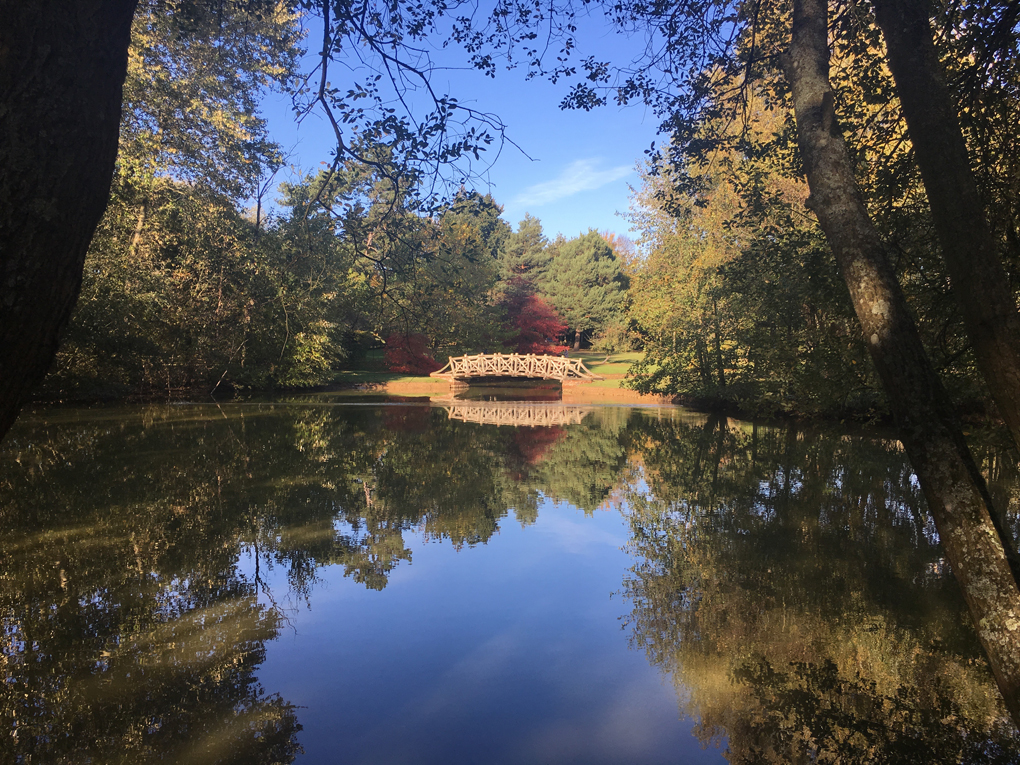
524, 254
586, 285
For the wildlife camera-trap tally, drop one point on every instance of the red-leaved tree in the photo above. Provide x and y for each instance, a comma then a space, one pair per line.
534, 323
409, 354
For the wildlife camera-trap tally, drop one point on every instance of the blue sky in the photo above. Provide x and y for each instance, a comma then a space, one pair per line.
573, 169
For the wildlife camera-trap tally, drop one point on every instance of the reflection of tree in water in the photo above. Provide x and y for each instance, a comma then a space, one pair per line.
790, 581
532, 444
792, 585
131, 632
996, 458
585, 466
131, 676
128, 635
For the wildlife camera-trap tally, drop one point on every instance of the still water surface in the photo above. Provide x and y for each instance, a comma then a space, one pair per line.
322, 582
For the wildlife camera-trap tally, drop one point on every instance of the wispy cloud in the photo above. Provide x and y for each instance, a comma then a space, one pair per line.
581, 175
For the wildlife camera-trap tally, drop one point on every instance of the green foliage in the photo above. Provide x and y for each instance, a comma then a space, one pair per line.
586, 285
766, 323
184, 291
196, 72
738, 299
434, 276
524, 254
615, 338
481, 212
180, 288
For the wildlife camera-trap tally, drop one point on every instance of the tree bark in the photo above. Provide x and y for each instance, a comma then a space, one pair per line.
979, 281
720, 372
136, 236
952, 485
62, 69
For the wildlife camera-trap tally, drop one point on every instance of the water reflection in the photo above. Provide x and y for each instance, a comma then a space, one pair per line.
516, 414
125, 636
791, 584
789, 581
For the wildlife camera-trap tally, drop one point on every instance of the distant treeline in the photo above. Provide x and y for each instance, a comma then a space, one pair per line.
191, 285
184, 290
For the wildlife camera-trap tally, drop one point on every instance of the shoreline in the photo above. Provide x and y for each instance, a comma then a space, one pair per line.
571, 393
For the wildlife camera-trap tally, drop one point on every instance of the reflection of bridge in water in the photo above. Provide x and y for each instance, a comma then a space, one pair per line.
516, 413
515, 365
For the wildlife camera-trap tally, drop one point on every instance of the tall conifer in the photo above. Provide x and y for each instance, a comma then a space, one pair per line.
586, 285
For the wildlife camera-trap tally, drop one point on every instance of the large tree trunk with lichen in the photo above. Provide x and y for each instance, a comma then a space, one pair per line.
62, 67
952, 485
978, 278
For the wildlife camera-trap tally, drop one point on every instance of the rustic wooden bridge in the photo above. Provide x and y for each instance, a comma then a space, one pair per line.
515, 365
516, 413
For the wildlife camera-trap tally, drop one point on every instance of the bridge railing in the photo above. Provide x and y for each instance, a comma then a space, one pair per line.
526, 365
516, 413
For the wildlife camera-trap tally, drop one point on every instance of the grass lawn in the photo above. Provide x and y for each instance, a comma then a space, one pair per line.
614, 370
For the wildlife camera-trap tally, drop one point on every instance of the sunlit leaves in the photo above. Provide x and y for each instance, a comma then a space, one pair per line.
196, 74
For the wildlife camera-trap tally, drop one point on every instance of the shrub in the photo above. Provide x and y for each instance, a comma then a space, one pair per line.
409, 354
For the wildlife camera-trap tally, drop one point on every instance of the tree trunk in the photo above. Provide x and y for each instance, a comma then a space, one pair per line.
136, 236
978, 278
720, 372
953, 487
62, 68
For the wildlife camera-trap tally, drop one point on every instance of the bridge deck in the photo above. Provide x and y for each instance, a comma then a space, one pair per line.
515, 365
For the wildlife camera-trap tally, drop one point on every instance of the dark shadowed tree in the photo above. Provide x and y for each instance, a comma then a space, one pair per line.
979, 280
61, 72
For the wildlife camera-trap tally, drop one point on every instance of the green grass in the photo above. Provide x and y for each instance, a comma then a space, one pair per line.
618, 364
614, 383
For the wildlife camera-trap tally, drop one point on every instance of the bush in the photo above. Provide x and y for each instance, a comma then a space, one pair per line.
616, 338
534, 323
408, 354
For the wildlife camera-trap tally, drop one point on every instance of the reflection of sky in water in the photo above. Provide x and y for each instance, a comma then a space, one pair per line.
785, 577
511, 651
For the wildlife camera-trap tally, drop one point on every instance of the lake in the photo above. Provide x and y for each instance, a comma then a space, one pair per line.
330, 579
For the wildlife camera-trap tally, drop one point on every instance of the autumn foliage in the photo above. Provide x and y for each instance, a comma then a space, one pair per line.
534, 323
409, 354
533, 443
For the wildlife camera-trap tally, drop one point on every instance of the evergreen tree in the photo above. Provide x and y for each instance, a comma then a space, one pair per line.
524, 254
481, 212
586, 285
